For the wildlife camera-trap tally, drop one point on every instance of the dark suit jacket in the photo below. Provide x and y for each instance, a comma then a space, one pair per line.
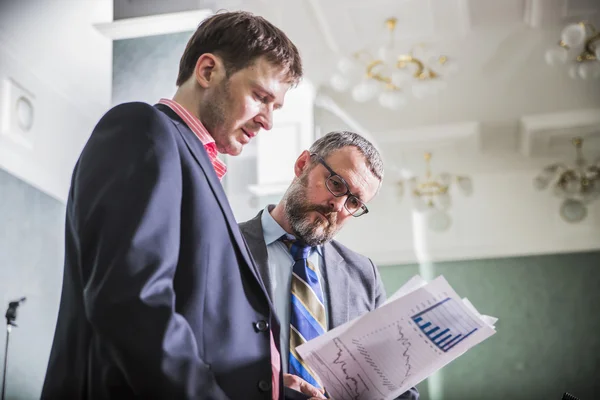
353, 285
161, 298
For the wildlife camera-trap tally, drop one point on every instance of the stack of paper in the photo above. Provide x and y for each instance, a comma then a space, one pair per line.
380, 355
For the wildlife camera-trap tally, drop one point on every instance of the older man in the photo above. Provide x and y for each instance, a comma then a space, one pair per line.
334, 181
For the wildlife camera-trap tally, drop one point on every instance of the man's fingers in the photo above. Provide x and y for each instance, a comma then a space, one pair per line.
292, 381
299, 384
309, 389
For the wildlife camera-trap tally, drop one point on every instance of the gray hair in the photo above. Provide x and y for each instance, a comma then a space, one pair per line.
336, 140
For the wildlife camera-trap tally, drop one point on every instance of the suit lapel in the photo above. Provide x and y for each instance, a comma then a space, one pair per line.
253, 232
337, 287
200, 155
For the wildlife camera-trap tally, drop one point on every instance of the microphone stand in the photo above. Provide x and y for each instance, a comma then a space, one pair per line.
11, 316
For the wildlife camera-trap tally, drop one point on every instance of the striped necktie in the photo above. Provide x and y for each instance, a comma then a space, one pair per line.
307, 316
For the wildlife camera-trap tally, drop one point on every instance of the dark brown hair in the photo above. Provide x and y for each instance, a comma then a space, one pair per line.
239, 38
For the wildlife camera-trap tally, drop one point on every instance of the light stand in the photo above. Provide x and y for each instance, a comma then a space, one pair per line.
11, 316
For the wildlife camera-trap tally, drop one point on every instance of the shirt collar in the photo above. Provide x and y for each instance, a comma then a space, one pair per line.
272, 231
190, 119
201, 133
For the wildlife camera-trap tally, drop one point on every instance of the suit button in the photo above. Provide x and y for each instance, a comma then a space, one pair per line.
261, 326
264, 386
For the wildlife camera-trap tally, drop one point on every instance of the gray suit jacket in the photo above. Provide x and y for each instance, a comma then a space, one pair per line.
353, 285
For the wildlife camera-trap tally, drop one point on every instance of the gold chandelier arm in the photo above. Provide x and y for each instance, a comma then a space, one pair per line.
405, 59
371, 73
375, 75
590, 47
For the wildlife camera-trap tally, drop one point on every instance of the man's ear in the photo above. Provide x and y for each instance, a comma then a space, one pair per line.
209, 70
302, 163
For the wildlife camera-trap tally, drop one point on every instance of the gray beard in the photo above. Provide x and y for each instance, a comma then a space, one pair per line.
296, 210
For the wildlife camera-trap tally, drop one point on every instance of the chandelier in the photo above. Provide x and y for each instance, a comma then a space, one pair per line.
391, 74
431, 194
578, 185
579, 47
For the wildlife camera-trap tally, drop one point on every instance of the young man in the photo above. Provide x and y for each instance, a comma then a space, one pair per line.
161, 298
315, 282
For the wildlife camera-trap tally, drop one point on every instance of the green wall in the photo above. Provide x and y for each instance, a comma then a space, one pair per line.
547, 338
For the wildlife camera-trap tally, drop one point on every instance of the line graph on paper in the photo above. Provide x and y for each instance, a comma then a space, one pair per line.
368, 366
392, 364
345, 379
445, 324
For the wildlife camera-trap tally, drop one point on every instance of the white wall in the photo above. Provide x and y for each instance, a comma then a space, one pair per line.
52, 50
504, 217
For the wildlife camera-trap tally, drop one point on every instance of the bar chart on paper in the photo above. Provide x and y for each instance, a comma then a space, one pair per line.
446, 324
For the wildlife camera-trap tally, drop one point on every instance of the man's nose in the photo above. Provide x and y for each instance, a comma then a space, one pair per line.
337, 203
265, 118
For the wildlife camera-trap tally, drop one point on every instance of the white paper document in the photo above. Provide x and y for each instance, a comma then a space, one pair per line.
384, 353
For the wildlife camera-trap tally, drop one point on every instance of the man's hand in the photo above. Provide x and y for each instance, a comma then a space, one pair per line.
299, 384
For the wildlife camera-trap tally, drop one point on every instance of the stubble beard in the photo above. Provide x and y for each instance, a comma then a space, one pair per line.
214, 116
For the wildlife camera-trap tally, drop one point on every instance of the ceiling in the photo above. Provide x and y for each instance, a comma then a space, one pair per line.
499, 47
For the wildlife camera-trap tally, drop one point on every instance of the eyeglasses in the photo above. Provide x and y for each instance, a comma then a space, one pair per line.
338, 187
